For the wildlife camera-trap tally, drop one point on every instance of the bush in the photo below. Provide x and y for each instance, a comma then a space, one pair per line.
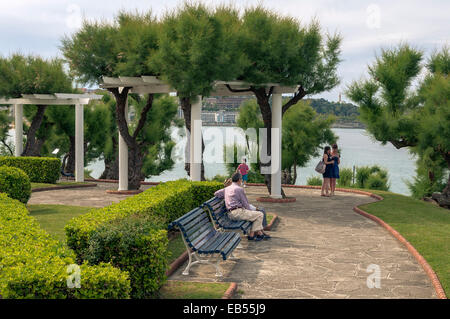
38, 169
345, 177
362, 175
314, 181
97, 235
137, 245
15, 183
34, 265
376, 181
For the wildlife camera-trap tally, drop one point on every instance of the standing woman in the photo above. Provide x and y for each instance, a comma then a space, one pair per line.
327, 175
335, 172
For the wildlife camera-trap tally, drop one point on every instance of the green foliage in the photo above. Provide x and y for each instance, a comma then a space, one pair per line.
314, 181
396, 112
106, 234
304, 134
34, 264
137, 245
198, 46
345, 177
38, 169
281, 50
15, 183
372, 177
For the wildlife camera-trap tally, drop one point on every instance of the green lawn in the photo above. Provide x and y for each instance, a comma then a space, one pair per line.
193, 290
53, 218
176, 248
425, 226
45, 185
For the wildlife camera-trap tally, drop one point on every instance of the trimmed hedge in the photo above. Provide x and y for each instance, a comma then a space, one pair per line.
38, 169
106, 234
137, 245
15, 183
34, 265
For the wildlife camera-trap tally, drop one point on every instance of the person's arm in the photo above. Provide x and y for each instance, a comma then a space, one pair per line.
220, 193
243, 198
325, 159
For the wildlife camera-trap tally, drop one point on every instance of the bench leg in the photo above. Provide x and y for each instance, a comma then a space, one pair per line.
218, 271
232, 256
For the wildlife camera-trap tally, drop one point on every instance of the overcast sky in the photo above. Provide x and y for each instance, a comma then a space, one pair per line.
37, 26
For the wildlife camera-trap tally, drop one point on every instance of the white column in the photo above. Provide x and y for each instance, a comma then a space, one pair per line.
79, 143
18, 128
276, 146
123, 158
196, 140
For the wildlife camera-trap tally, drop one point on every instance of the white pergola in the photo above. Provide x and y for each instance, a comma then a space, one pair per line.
152, 84
79, 100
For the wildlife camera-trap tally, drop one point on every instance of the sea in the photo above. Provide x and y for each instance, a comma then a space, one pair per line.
356, 146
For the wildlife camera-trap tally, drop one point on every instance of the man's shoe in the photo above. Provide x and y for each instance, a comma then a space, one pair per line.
254, 238
265, 236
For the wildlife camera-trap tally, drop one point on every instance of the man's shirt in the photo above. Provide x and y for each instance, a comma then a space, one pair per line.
234, 197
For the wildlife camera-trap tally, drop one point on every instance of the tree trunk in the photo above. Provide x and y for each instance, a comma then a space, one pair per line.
295, 173
33, 145
444, 198
70, 165
135, 163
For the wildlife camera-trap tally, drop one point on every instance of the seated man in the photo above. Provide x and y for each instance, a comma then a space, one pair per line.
239, 209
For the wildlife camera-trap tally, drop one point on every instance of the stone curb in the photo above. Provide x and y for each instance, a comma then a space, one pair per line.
230, 291
54, 188
276, 200
129, 192
177, 263
272, 222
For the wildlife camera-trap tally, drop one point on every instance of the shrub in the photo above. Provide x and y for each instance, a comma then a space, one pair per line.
34, 265
15, 183
362, 175
345, 177
114, 234
38, 169
376, 181
314, 181
137, 245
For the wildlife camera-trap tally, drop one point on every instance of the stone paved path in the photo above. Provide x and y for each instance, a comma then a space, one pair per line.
91, 197
320, 249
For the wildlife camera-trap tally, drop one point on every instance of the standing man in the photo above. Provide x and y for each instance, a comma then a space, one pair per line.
239, 209
243, 170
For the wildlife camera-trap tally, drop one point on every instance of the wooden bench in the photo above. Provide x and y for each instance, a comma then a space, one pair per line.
203, 242
218, 212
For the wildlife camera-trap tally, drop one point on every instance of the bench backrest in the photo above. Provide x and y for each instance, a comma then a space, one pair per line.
217, 209
196, 227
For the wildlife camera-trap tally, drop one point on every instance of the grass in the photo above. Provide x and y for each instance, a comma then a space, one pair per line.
193, 290
424, 225
45, 185
269, 218
53, 218
176, 248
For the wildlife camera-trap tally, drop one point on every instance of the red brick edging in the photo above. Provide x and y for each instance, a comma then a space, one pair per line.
230, 291
128, 192
177, 263
54, 188
272, 222
276, 200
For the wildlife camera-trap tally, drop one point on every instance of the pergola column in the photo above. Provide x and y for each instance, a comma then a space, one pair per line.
276, 145
79, 143
18, 128
196, 140
123, 158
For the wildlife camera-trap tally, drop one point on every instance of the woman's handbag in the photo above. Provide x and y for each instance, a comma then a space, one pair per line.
320, 167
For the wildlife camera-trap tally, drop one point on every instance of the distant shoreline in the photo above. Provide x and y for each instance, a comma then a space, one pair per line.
337, 125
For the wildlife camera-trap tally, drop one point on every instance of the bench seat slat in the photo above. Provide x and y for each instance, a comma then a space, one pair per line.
192, 224
228, 249
212, 246
203, 238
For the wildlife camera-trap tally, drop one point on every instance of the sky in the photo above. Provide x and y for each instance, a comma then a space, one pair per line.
37, 26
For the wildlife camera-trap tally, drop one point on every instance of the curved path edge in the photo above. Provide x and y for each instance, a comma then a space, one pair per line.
420, 259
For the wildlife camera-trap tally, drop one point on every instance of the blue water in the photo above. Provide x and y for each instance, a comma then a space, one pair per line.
356, 147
